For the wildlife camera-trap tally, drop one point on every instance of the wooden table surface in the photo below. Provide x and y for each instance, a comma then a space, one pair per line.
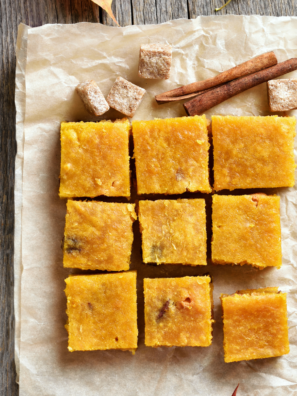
39, 12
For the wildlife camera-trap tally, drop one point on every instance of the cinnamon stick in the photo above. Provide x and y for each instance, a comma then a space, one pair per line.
218, 95
251, 66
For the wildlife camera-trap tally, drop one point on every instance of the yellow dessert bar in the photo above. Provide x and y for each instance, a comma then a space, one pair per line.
98, 235
255, 324
246, 230
173, 232
171, 155
95, 159
102, 312
253, 152
178, 311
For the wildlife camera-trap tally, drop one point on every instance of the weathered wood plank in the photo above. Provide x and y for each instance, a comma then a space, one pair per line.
171, 9
122, 10
243, 7
8, 31
144, 12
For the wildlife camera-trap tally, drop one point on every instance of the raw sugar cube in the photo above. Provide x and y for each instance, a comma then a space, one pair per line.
173, 232
255, 324
98, 235
102, 312
95, 159
178, 311
171, 155
125, 97
92, 98
246, 230
253, 152
282, 95
155, 61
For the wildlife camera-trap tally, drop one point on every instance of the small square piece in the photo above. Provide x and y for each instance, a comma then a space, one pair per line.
173, 232
125, 97
178, 311
102, 312
253, 152
255, 324
98, 235
171, 155
282, 95
246, 230
92, 98
155, 61
95, 159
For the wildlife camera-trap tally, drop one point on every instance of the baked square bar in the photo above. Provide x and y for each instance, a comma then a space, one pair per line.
253, 152
95, 159
98, 235
102, 312
255, 324
178, 311
282, 95
246, 230
155, 61
173, 232
171, 155
92, 97
125, 97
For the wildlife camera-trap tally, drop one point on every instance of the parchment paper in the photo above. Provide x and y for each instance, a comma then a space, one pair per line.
52, 60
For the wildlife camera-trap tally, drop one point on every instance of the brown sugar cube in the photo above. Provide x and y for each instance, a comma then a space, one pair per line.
92, 98
282, 95
155, 61
125, 97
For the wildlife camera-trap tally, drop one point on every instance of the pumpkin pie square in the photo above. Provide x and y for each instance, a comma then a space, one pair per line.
246, 230
255, 324
102, 312
253, 152
171, 155
98, 235
173, 231
95, 159
178, 311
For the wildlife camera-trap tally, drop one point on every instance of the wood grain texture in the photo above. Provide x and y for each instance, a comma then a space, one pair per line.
36, 13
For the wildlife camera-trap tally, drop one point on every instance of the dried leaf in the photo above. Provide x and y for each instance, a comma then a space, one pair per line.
106, 5
219, 9
235, 392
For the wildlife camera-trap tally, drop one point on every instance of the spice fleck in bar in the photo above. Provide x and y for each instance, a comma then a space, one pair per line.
178, 311
102, 312
171, 155
253, 152
247, 230
98, 235
95, 159
173, 232
255, 324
